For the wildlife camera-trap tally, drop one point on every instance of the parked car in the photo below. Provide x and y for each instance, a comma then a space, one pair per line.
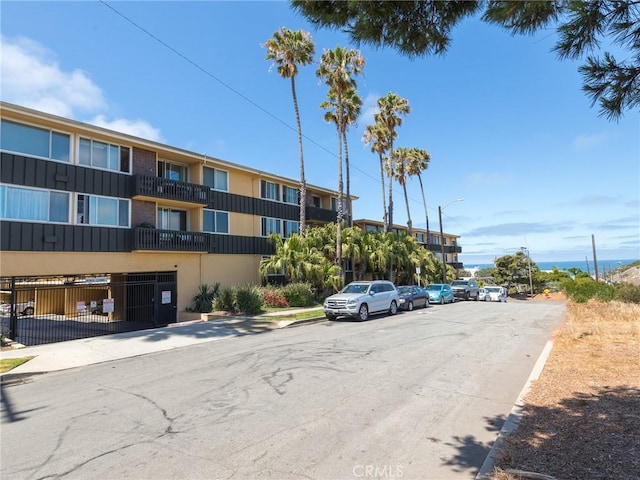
412, 296
482, 294
362, 298
24, 308
465, 289
440, 293
495, 294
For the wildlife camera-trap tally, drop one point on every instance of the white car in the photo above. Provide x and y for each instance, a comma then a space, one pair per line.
495, 294
482, 294
359, 299
24, 308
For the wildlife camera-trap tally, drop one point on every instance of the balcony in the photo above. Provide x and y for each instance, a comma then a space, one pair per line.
170, 240
322, 215
181, 192
456, 265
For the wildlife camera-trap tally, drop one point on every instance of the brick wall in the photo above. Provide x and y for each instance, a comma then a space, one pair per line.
142, 212
144, 162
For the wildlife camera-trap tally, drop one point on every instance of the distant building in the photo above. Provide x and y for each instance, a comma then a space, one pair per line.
434, 243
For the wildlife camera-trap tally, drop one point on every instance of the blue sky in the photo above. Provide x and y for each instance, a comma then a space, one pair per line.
505, 122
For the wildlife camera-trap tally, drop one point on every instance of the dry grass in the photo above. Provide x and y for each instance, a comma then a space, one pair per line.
581, 419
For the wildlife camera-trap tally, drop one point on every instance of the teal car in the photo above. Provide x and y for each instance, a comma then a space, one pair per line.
440, 293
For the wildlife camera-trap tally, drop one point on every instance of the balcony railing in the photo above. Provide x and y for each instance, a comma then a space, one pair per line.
315, 214
151, 186
170, 240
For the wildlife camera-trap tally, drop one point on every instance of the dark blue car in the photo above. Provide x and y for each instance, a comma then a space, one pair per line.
412, 297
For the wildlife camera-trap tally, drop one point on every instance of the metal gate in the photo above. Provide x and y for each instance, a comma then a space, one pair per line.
39, 310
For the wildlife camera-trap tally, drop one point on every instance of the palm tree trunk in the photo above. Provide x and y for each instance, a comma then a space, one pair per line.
391, 160
348, 171
384, 200
303, 184
424, 203
406, 202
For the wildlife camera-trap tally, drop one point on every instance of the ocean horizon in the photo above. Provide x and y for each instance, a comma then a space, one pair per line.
584, 265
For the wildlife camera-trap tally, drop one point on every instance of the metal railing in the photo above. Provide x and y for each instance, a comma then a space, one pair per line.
170, 240
159, 187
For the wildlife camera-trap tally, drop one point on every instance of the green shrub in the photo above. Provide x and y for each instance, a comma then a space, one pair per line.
628, 293
224, 301
248, 299
299, 294
582, 289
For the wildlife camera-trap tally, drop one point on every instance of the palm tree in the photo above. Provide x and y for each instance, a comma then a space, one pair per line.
288, 50
352, 105
338, 68
375, 135
400, 173
391, 109
418, 162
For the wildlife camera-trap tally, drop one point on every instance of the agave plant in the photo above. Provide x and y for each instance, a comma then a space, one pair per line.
203, 301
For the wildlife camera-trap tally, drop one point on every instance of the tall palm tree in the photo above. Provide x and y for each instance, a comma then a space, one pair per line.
338, 67
418, 162
399, 171
352, 106
288, 50
375, 135
391, 109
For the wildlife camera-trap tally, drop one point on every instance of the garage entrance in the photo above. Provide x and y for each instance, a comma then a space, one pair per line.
39, 310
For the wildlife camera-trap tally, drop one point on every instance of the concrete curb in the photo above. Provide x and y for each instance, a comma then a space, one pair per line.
515, 415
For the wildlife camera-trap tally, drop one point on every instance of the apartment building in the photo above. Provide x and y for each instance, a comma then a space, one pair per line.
83, 206
434, 243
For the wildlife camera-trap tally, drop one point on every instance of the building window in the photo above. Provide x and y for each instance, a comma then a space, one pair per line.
269, 226
104, 211
269, 190
216, 179
172, 171
420, 237
316, 201
170, 219
216, 222
29, 204
38, 142
290, 195
290, 227
104, 155
334, 204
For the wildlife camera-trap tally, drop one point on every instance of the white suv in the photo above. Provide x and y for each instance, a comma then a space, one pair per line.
359, 299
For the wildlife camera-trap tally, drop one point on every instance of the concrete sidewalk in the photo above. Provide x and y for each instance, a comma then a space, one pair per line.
87, 351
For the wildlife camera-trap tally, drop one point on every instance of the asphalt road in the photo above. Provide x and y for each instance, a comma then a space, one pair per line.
419, 395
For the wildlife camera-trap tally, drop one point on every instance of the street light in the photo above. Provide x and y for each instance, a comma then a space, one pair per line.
525, 249
444, 264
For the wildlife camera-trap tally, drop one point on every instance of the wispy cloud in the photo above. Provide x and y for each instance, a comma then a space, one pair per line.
482, 179
138, 128
520, 229
585, 141
31, 77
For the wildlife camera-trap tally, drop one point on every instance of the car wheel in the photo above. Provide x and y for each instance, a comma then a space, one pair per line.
331, 317
475, 299
394, 308
363, 312
28, 311
410, 305
466, 296
441, 300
